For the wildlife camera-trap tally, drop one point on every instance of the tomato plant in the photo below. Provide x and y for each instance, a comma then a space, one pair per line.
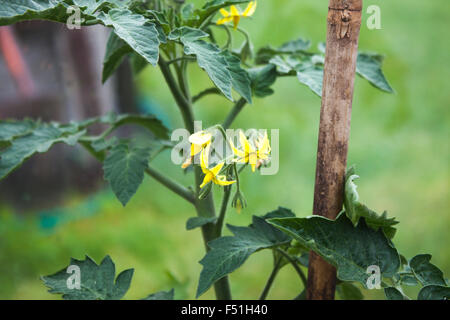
175, 36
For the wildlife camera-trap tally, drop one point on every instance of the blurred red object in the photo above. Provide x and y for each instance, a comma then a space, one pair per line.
15, 63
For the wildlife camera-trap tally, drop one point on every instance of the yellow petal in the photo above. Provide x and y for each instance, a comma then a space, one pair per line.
195, 149
200, 138
204, 159
236, 151
250, 10
208, 177
224, 20
234, 11
220, 180
244, 143
215, 171
224, 12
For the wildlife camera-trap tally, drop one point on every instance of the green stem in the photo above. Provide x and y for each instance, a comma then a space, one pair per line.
204, 207
180, 99
271, 279
233, 113
301, 295
205, 92
171, 185
187, 58
295, 265
223, 210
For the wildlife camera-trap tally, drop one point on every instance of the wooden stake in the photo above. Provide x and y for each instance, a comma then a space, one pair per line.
344, 21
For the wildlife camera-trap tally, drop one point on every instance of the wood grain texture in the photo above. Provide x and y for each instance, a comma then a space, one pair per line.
343, 25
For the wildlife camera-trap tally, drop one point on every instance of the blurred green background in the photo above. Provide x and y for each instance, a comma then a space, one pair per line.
399, 144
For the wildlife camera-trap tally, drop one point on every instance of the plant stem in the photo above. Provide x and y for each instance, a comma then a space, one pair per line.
301, 295
205, 92
180, 99
233, 113
295, 265
171, 185
271, 279
204, 207
223, 210
187, 58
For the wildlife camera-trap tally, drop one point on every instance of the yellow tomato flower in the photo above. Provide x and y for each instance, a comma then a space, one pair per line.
234, 14
249, 154
212, 174
199, 141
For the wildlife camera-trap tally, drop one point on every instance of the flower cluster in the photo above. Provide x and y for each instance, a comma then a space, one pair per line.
235, 15
254, 153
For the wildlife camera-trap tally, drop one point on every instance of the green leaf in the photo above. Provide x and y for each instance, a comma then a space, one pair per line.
137, 31
356, 210
103, 144
222, 3
97, 281
239, 77
12, 11
124, 169
350, 249
209, 58
433, 292
348, 291
13, 129
149, 122
426, 272
393, 294
197, 222
161, 295
369, 66
312, 77
187, 34
116, 51
40, 140
262, 78
230, 252
295, 47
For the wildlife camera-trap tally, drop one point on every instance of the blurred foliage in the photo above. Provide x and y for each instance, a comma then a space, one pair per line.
398, 142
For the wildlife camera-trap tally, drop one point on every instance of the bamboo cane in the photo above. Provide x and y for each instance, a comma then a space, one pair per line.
343, 25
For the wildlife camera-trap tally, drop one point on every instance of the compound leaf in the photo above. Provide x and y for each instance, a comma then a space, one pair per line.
350, 249
230, 252
96, 281
124, 169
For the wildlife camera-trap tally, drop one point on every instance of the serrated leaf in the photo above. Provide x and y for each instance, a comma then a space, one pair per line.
426, 272
96, 281
116, 51
187, 34
369, 66
433, 292
103, 144
229, 253
350, 249
13, 129
262, 78
124, 169
197, 222
295, 47
161, 295
12, 11
393, 294
149, 122
239, 77
137, 31
210, 59
348, 291
40, 140
356, 210
312, 77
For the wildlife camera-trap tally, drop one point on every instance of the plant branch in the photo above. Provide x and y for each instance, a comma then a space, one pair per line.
234, 113
271, 279
223, 210
171, 185
205, 92
180, 99
295, 265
